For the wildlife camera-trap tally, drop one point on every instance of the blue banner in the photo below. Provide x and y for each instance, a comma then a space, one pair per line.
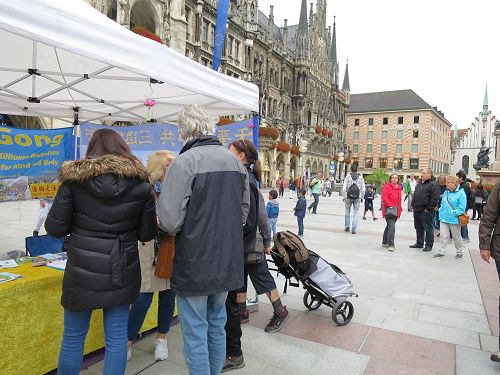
143, 140
30, 160
234, 131
220, 32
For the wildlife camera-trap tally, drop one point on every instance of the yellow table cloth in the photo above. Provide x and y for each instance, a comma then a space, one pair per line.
31, 322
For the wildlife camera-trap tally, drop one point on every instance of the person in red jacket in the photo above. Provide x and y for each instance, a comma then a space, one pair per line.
391, 209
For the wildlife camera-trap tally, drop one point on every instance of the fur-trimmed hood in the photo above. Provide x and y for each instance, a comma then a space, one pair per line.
108, 175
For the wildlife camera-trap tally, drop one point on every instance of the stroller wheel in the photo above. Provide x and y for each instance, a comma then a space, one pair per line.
311, 302
342, 312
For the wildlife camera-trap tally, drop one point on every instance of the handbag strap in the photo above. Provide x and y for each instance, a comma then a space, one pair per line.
448, 199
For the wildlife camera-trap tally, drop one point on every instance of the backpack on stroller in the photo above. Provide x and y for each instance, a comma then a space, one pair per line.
325, 283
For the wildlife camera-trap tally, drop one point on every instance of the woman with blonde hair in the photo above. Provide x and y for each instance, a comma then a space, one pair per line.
453, 204
157, 166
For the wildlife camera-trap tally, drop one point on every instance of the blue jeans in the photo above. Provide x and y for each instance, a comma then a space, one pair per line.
139, 309
465, 232
272, 224
347, 217
314, 205
300, 222
202, 321
76, 325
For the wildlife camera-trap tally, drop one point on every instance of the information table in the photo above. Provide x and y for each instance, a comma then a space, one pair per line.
31, 322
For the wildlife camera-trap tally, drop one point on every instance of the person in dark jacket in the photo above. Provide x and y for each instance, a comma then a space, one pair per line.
300, 210
106, 204
464, 184
478, 202
204, 202
489, 238
258, 271
425, 200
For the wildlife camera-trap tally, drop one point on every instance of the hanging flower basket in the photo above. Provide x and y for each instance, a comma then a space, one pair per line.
330, 134
283, 147
335, 157
295, 150
324, 132
347, 160
273, 146
224, 121
318, 129
147, 34
269, 133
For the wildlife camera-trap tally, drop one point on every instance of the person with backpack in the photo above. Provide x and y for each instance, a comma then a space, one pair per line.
352, 191
315, 186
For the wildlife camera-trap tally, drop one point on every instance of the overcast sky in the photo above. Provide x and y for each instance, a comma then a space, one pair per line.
445, 50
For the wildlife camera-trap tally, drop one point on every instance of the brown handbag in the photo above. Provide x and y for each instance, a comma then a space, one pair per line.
165, 257
462, 219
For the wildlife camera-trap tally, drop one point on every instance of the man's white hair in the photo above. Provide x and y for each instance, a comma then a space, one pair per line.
194, 122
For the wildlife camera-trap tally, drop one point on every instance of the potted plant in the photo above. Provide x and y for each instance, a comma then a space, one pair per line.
283, 147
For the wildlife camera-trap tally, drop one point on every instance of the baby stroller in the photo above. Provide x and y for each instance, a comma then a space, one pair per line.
325, 283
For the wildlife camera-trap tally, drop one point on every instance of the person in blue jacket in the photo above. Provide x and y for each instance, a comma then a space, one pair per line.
300, 210
453, 204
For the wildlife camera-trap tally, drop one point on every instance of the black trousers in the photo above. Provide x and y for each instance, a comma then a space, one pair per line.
423, 226
233, 326
478, 207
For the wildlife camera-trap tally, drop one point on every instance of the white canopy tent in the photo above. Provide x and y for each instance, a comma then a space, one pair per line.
63, 58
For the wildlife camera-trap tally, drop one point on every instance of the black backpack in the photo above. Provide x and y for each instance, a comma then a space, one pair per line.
353, 190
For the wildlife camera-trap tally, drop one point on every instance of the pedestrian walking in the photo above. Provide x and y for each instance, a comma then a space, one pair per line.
369, 197
489, 241
315, 185
300, 210
409, 190
470, 202
281, 186
453, 204
258, 271
204, 201
353, 192
293, 187
106, 204
273, 210
152, 281
478, 202
328, 187
424, 206
391, 210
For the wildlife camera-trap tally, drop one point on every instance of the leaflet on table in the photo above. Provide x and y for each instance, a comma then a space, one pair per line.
11, 263
7, 276
58, 264
52, 257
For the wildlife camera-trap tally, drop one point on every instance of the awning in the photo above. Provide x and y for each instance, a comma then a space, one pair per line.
63, 57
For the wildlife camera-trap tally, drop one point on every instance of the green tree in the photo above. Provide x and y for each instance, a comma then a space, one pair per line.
379, 178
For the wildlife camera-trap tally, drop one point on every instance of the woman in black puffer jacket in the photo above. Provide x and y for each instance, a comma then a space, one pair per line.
106, 205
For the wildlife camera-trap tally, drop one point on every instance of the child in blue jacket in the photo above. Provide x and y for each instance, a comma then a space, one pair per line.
273, 210
300, 210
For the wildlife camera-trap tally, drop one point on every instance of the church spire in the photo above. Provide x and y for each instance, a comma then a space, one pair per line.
485, 101
455, 134
345, 85
333, 44
303, 17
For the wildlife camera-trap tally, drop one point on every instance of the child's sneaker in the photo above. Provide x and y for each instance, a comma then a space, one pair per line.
161, 350
277, 321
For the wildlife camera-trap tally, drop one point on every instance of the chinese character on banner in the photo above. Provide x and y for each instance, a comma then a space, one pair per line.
167, 136
131, 138
224, 137
244, 133
89, 133
144, 137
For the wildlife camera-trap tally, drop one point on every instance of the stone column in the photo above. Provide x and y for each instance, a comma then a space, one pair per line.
492, 175
178, 25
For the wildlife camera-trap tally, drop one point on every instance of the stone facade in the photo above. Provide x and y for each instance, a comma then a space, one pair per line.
295, 68
403, 141
467, 147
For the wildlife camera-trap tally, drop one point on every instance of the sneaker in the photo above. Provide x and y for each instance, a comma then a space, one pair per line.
427, 248
438, 255
466, 240
233, 363
309, 209
129, 354
416, 246
385, 245
375, 219
346, 229
364, 218
495, 357
245, 316
391, 248
277, 321
459, 256
353, 232
161, 350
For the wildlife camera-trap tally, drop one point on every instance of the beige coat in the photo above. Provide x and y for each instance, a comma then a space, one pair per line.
150, 283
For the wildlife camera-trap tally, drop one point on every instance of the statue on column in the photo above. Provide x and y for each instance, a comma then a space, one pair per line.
483, 160
166, 35
124, 12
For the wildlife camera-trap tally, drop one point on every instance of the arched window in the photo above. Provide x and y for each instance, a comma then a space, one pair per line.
143, 15
112, 11
465, 163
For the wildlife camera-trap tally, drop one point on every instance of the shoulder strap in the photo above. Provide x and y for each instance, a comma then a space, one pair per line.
448, 199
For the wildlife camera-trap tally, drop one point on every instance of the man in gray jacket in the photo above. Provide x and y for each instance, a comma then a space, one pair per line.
204, 202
